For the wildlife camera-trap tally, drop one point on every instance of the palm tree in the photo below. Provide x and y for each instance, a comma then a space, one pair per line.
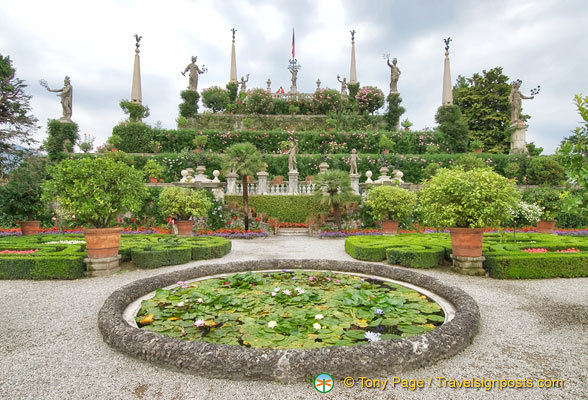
333, 188
243, 159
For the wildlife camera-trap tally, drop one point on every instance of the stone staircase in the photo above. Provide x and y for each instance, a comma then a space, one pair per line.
293, 232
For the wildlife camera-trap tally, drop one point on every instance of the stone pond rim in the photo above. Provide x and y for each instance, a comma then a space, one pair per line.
289, 365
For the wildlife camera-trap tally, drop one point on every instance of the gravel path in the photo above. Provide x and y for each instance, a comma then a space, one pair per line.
50, 347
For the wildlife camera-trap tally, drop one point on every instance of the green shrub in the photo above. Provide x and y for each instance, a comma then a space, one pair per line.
61, 138
326, 100
155, 257
538, 266
453, 125
189, 105
547, 198
215, 98
184, 202
415, 256
232, 88
369, 99
545, 170
467, 199
135, 111
390, 202
22, 195
258, 101
95, 189
395, 110
136, 137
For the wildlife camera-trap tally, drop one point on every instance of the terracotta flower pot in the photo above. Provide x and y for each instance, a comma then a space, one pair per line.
466, 242
153, 179
545, 226
102, 242
30, 228
390, 226
185, 227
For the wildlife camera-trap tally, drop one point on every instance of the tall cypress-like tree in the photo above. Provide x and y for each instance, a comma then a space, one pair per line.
16, 122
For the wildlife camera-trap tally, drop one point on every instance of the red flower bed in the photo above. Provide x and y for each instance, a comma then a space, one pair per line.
18, 251
292, 225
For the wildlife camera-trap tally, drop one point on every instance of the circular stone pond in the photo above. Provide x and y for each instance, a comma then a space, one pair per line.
240, 361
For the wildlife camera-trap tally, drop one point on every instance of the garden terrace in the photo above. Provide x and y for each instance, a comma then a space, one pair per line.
531, 256
45, 257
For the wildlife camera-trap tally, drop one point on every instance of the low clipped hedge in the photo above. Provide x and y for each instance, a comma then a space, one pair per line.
285, 208
505, 259
65, 261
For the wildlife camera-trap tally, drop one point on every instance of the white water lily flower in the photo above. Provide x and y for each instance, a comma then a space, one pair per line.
274, 294
319, 316
316, 325
299, 290
199, 322
373, 336
286, 292
180, 304
277, 289
200, 300
272, 324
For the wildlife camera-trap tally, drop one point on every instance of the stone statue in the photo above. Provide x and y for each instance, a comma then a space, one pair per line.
66, 97
269, 85
318, 83
353, 159
515, 100
294, 68
343, 84
294, 77
292, 157
394, 75
447, 41
243, 83
138, 39
194, 72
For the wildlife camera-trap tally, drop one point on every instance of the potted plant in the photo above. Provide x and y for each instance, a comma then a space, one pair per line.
199, 142
184, 203
550, 202
524, 214
389, 204
95, 190
467, 202
476, 146
153, 170
21, 196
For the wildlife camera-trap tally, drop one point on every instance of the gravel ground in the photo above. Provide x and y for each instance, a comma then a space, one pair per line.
50, 347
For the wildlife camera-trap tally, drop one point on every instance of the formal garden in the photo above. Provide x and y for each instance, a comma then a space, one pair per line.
268, 164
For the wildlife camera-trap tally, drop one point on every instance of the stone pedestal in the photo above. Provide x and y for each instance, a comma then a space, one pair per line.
200, 177
468, 265
293, 182
262, 182
231, 183
102, 266
323, 167
355, 183
518, 142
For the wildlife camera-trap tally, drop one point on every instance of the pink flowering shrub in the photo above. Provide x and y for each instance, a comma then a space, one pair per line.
326, 100
258, 101
370, 99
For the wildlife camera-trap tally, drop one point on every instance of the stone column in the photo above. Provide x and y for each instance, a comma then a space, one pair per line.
293, 182
323, 167
518, 142
232, 183
447, 97
355, 183
136, 90
262, 182
353, 69
233, 77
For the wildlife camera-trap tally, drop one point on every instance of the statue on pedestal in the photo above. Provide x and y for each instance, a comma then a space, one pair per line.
294, 68
194, 72
66, 97
394, 75
515, 100
292, 157
353, 159
343, 84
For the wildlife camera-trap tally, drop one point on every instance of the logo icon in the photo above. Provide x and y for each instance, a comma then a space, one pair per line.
324, 383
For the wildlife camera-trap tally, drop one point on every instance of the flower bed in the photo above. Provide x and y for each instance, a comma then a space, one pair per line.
289, 309
349, 232
531, 256
236, 233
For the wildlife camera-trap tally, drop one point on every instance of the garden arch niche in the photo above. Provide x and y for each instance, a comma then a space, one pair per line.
289, 365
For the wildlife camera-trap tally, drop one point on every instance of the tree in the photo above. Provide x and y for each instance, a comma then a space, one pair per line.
216, 98
454, 127
483, 100
16, 122
135, 111
243, 159
333, 188
573, 154
189, 105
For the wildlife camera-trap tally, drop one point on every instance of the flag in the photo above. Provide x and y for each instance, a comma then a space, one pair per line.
293, 47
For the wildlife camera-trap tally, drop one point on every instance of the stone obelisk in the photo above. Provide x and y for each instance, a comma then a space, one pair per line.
136, 90
233, 60
353, 70
447, 97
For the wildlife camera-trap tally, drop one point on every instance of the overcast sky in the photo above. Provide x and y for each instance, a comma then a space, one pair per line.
542, 42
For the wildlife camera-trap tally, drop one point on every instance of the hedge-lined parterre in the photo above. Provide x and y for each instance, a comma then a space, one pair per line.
505, 259
64, 260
